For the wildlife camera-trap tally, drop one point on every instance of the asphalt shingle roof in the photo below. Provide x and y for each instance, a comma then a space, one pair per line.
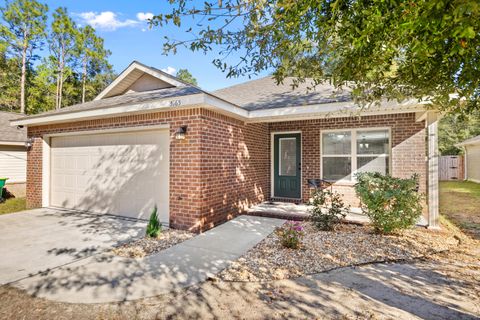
126, 99
260, 94
264, 93
9, 133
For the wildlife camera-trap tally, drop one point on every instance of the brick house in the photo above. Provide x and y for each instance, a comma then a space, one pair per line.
149, 139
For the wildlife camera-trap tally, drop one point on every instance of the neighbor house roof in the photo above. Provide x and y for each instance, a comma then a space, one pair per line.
9, 134
474, 140
266, 93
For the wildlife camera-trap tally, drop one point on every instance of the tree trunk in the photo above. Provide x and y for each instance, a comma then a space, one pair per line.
60, 90
58, 87
61, 66
24, 74
84, 78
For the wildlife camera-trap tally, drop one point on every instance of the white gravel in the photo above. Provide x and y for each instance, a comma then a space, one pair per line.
147, 246
324, 250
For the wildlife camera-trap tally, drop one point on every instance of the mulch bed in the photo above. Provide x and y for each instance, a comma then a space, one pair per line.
325, 250
147, 246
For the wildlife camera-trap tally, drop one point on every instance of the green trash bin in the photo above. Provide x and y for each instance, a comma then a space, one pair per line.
2, 184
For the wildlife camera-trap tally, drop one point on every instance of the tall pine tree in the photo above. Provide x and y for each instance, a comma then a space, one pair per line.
92, 55
63, 48
23, 31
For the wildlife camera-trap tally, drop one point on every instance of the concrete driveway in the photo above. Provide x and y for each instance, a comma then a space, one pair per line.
39, 240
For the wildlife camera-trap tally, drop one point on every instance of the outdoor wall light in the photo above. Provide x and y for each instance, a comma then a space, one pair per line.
29, 143
180, 133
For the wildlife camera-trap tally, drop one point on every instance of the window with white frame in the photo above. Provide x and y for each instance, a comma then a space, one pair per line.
346, 152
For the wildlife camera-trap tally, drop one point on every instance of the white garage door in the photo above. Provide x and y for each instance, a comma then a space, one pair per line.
116, 173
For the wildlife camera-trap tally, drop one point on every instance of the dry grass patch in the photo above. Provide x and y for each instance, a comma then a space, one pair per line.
460, 202
325, 250
13, 205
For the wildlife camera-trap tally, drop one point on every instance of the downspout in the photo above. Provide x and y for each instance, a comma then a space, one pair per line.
433, 156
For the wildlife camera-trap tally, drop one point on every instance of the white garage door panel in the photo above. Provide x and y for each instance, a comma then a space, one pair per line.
119, 173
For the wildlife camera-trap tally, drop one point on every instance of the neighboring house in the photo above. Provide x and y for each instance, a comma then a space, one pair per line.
471, 158
150, 139
13, 154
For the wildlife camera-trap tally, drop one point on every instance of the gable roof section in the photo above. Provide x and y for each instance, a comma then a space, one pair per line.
261, 100
134, 72
265, 93
9, 134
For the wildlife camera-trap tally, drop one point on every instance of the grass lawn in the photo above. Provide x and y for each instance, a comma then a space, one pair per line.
460, 202
12, 205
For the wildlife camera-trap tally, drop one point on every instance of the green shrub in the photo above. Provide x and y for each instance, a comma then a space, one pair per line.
290, 234
390, 203
154, 227
327, 209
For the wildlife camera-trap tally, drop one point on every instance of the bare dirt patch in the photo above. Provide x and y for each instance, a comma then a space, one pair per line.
325, 250
147, 246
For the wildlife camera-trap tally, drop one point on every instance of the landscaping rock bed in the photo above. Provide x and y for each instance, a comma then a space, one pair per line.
325, 250
147, 246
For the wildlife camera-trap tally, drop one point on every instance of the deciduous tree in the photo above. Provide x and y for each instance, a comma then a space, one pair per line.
391, 49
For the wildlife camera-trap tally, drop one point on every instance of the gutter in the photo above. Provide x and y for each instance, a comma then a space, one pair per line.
214, 103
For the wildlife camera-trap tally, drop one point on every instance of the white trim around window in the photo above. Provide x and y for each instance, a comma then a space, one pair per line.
353, 151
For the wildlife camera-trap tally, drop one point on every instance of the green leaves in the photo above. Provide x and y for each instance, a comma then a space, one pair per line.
77, 54
327, 209
154, 227
385, 49
391, 203
186, 76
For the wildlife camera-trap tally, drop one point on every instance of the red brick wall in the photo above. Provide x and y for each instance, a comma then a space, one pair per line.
220, 168
408, 146
234, 167
185, 188
223, 166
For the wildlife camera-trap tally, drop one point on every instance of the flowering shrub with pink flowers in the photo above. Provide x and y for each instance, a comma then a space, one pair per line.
290, 234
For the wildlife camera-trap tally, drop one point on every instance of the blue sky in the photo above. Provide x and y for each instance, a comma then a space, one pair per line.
129, 38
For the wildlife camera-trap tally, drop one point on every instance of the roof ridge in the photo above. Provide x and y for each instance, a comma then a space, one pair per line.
243, 83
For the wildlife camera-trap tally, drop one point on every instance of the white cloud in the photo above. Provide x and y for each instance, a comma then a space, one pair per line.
170, 70
106, 20
144, 16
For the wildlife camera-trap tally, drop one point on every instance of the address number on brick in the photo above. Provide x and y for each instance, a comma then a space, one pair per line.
175, 103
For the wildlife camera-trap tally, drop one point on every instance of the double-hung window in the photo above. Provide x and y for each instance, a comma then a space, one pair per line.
346, 152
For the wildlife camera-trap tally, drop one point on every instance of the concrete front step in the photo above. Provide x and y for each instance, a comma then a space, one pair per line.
298, 212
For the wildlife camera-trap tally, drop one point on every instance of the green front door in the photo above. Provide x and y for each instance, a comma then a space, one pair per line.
287, 165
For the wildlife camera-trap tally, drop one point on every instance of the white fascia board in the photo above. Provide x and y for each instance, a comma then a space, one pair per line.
226, 107
333, 110
175, 103
205, 100
12, 143
142, 68
472, 141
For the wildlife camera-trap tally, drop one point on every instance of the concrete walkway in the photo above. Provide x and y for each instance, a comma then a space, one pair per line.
42, 239
107, 278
